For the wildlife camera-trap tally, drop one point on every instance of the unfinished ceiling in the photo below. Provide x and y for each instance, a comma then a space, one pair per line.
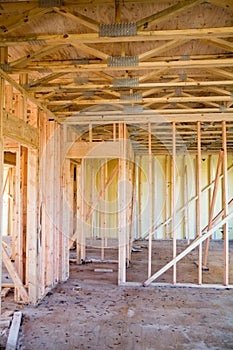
134, 61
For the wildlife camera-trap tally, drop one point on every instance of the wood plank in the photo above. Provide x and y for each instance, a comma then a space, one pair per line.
20, 131
27, 16
220, 72
212, 205
122, 216
2, 100
67, 214
162, 48
102, 212
150, 65
83, 209
225, 206
150, 201
94, 150
32, 226
49, 191
167, 202
199, 200
78, 18
19, 226
173, 198
141, 85
90, 50
181, 285
142, 36
23, 61
12, 339
166, 100
14, 275
108, 117
223, 44
186, 200
103, 270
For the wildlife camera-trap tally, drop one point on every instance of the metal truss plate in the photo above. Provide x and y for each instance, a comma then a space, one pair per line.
50, 3
45, 71
36, 42
133, 109
5, 67
125, 82
88, 93
123, 61
118, 29
136, 97
81, 80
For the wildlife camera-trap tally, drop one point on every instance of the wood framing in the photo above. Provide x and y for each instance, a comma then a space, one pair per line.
122, 217
199, 201
192, 246
111, 124
1, 174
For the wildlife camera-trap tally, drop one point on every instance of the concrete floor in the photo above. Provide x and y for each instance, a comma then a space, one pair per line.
91, 312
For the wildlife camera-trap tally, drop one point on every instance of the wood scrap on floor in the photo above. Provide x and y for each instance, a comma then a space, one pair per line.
4, 292
103, 270
14, 331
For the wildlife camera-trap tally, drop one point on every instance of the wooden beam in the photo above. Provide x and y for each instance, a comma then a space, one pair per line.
19, 131
163, 48
153, 100
69, 205
220, 72
48, 78
19, 239
173, 199
148, 113
150, 200
212, 205
154, 85
32, 226
2, 104
25, 17
122, 217
83, 209
199, 201
14, 275
225, 205
186, 200
102, 211
167, 202
90, 50
192, 246
150, 65
142, 36
78, 18
223, 44
25, 60
140, 118
94, 150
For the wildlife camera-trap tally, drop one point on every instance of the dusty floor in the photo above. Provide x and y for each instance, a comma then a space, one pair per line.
91, 312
